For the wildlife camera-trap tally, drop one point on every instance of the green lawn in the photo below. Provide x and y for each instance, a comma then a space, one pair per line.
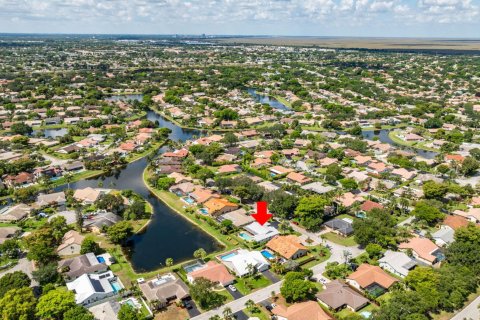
335, 238
248, 284
260, 312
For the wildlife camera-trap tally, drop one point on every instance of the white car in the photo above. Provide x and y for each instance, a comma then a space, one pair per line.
232, 288
140, 280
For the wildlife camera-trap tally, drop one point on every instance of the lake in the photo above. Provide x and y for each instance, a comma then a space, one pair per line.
265, 99
168, 235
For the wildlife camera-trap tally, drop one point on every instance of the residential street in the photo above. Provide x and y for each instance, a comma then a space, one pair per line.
265, 293
470, 312
23, 265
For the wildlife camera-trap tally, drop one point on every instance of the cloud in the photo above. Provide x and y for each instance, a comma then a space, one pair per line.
157, 14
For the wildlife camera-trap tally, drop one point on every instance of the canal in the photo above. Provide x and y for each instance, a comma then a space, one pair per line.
168, 235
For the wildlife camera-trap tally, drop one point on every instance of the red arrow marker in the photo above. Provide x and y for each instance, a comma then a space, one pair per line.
262, 214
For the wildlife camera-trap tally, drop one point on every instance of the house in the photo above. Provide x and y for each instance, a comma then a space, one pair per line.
369, 205
105, 311
349, 199
73, 166
238, 217
310, 310
8, 233
179, 178
404, 174
279, 170
101, 221
163, 290
57, 198
362, 160
239, 261
128, 146
71, 243
288, 247
229, 168
87, 195
412, 137
371, 279
182, 153
260, 233
342, 227
298, 178
21, 179
397, 263
183, 189
78, 266
472, 215
338, 295
218, 206
317, 187
377, 167
14, 213
422, 249
91, 289
454, 158
202, 195
214, 272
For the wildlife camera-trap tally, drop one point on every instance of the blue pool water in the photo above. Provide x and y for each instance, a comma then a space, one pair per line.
245, 236
366, 314
228, 256
267, 254
192, 267
101, 259
189, 200
203, 211
55, 178
116, 286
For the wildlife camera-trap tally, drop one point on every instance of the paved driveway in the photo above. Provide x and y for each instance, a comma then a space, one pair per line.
270, 276
240, 316
194, 311
23, 265
235, 294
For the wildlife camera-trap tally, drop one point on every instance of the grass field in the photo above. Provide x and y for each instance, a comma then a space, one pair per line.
335, 238
247, 285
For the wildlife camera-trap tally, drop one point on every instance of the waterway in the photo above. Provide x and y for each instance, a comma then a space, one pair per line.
168, 234
125, 97
382, 135
52, 133
264, 99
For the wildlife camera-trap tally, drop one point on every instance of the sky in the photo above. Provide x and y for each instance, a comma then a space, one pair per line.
360, 18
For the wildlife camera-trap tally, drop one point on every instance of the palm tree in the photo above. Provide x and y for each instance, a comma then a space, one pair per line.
200, 254
227, 313
249, 304
68, 178
346, 254
169, 262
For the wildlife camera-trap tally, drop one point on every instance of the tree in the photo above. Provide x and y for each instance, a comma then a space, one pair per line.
349, 184
110, 202
90, 245
202, 293
469, 166
204, 174
427, 211
403, 305
378, 227
433, 190
18, 304
120, 232
374, 250
21, 128
169, 262
78, 313
46, 274
127, 312
200, 254
295, 288
227, 313
335, 270
230, 139
281, 203
310, 211
164, 183
55, 303
10, 248
15, 280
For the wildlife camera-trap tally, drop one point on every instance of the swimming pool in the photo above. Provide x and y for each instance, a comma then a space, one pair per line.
193, 267
267, 254
366, 314
203, 211
116, 286
188, 200
245, 236
228, 256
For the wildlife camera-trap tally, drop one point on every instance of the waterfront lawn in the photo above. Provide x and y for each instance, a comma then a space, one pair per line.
335, 238
248, 284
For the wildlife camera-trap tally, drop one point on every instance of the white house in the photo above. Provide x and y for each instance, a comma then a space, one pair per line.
261, 233
239, 262
397, 263
91, 289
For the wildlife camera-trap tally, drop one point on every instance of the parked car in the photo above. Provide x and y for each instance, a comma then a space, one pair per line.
232, 288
